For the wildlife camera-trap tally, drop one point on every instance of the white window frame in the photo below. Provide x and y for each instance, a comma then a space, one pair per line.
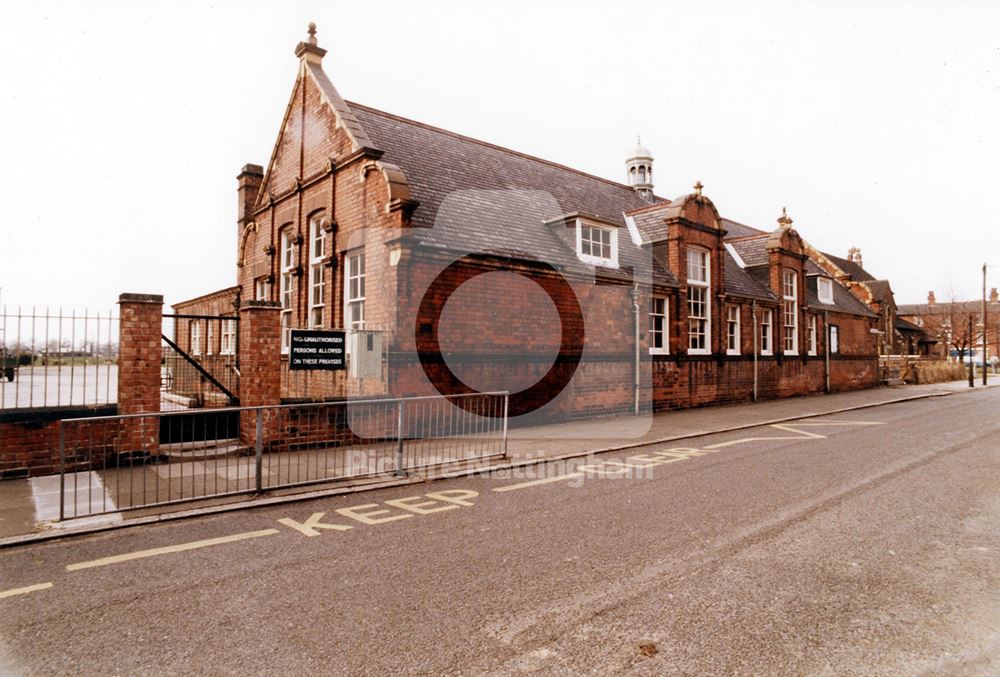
790, 311
228, 340
286, 287
659, 316
733, 330
824, 290
195, 337
766, 337
610, 261
355, 269
813, 329
317, 275
834, 338
261, 289
209, 336
699, 285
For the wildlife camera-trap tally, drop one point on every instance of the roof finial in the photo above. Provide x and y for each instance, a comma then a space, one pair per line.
783, 220
309, 51
697, 188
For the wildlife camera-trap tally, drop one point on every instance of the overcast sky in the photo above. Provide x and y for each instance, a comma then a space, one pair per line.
123, 125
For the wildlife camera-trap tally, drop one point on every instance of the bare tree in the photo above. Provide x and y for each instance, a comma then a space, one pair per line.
957, 326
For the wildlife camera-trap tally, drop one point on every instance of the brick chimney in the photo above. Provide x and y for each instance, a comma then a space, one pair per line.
250, 179
854, 256
930, 298
993, 296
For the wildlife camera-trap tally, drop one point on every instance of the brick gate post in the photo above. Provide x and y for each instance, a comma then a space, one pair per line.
139, 356
260, 364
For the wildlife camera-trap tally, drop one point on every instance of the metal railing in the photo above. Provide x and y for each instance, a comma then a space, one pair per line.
113, 463
200, 363
57, 359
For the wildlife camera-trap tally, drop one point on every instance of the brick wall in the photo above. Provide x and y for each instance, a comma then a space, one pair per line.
316, 172
139, 357
29, 439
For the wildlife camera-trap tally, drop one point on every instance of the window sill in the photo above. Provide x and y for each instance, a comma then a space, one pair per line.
659, 351
598, 261
698, 351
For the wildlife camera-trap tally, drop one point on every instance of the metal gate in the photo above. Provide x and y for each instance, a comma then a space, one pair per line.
114, 463
199, 370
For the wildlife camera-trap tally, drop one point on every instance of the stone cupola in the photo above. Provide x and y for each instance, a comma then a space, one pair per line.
639, 168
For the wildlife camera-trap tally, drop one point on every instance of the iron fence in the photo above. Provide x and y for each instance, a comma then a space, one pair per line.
114, 463
200, 363
54, 359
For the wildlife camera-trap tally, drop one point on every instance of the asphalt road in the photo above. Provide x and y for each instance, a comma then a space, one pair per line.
865, 543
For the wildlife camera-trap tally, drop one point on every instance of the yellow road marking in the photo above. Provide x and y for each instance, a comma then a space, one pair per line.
25, 590
421, 507
720, 445
801, 423
180, 547
805, 435
802, 435
535, 483
621, 466
365, 514
310, 526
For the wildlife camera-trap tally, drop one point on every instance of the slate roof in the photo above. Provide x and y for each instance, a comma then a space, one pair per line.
881, 290
843, 301
736, 229
946, 308
740, 282
753, 250
854, 270
906, 325
813, 269
478, 197
649, 222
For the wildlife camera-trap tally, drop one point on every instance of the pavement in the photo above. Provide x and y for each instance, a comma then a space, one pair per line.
26, 505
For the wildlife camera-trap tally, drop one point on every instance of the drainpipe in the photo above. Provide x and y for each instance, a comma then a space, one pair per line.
753, 313
826, 361
635, 323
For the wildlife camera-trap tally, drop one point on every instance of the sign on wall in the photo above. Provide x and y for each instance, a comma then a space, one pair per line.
317, 349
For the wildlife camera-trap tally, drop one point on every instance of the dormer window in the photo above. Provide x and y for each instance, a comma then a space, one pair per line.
597, 244
824, 290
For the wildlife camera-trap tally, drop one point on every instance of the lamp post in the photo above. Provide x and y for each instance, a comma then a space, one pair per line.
986, 326
972, 361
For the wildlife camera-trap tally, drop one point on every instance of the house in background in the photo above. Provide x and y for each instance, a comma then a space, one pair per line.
896, 336
944, 323
459, 266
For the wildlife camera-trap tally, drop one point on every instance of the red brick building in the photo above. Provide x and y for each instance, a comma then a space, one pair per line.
457, 265
946, 324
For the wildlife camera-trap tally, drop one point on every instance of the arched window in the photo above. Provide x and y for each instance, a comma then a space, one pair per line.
287, 265
317, 281
642, 174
